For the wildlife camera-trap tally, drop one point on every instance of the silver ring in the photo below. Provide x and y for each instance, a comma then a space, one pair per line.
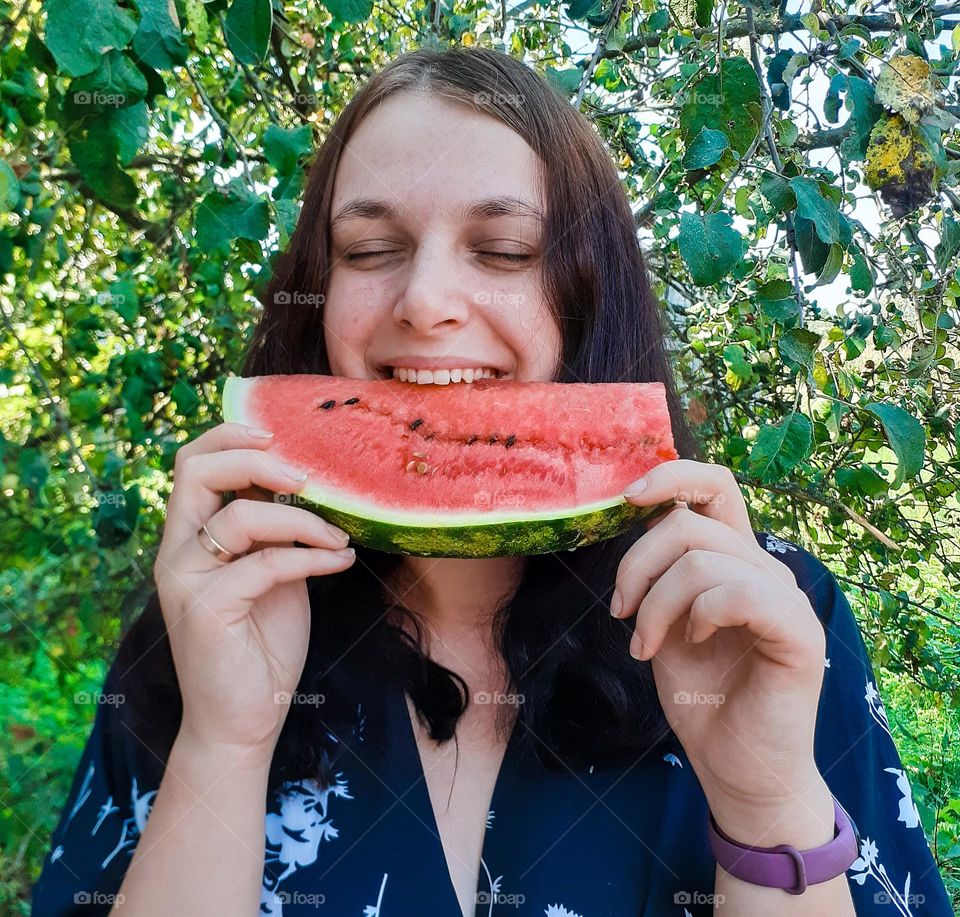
213, 546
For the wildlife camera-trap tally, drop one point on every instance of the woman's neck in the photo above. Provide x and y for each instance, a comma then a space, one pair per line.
455, 596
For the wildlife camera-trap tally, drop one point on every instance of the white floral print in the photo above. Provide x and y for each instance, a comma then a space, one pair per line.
778, 545
373, 910
875, 703
294, 834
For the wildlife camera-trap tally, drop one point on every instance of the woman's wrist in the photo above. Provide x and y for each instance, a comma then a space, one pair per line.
197, 751
803, 818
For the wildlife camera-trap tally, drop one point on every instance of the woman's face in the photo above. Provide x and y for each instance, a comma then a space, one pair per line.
436, 235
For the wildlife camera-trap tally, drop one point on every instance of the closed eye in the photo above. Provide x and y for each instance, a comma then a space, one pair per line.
513, 257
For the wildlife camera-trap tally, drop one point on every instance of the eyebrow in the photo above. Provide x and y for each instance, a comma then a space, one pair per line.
487, 209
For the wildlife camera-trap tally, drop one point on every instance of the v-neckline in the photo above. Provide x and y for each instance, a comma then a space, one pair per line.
506, 776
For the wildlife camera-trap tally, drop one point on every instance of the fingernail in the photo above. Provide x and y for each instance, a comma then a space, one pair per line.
636, 647
259, 432
294, 473
343, 536
688, 633
616, 605
636, 488
346, 552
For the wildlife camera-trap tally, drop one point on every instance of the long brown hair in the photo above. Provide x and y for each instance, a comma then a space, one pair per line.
585, 698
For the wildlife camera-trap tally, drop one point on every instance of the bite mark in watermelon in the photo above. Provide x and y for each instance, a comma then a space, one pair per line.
483, 469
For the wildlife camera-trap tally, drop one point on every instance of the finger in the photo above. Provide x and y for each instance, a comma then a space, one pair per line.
255, 574
246, 525
709, 489
682, 530
221, 437
778, 615
202, 479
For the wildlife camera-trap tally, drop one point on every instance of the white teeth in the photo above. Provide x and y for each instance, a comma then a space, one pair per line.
442, 376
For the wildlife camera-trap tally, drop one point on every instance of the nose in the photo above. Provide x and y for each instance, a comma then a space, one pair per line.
431, 297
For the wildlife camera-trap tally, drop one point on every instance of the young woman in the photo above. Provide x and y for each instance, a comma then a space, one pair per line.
305, 731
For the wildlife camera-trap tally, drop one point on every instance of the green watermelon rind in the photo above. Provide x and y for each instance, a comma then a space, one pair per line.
493, 534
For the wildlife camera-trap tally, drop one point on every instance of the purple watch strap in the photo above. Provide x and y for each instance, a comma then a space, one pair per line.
784, 866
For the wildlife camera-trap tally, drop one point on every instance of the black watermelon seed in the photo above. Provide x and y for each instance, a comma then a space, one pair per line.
351, 401
492, 440
416, 423
510, 441
327, 405
472, 439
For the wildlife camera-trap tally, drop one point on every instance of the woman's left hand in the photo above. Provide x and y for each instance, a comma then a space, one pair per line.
742, 696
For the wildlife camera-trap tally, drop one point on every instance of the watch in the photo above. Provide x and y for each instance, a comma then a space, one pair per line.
784, 866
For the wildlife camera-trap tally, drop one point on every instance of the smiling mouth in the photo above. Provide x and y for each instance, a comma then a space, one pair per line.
441, 376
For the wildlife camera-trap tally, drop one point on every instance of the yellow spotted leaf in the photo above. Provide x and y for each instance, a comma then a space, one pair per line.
907, 86
899, 165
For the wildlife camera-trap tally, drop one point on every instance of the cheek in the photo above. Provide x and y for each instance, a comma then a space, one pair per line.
346, 334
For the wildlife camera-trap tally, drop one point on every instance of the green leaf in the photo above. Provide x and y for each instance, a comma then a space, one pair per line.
565, 81
865, 112
710, 247
739, 369
95, 153
114, 84
9, 187
283, 148
350, 10
813, 250
778, 300
797, 347
246, 28
728, 101
815, 207
779, 448
130, 127
80, 32
185, 397
949, 242
861, 277
706, 149
231, 213
831, 267
158, 40
777, 191
906, 436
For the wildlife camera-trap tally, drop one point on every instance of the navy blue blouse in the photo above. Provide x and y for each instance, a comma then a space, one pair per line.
598, 842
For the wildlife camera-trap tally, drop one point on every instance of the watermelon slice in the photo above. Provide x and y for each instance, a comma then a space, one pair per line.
482, 469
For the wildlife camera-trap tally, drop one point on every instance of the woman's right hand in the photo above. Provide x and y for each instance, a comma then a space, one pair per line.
238, 630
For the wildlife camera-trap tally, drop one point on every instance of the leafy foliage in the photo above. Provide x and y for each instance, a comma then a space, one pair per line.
150, 168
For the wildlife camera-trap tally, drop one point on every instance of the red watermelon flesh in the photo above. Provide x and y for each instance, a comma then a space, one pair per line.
405, 460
